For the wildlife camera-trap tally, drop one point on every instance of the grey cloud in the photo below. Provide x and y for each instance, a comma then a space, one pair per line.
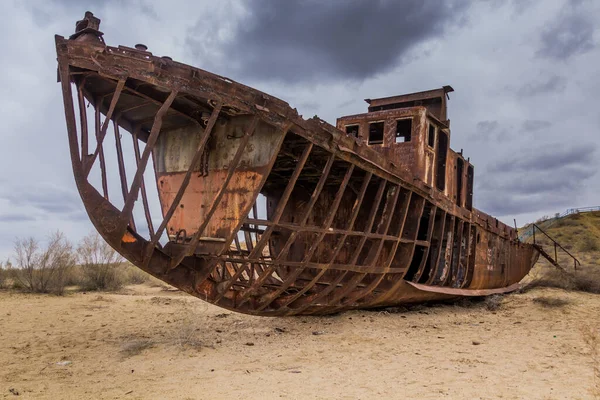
568, 179
550, 175
296, 41
548, 157
347, 103
16, 217
508, 204
490, 131
487, 127
44, 198
571, 33
534, 125
554, 83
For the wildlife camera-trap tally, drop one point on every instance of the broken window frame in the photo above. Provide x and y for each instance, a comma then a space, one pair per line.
405, 137
377, 142
431, 137
355, 135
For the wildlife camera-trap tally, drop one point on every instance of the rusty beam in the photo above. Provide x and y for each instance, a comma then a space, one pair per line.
307, 257
136, 150
186, 180
121, 164
357, 251
127, 210
101, 131
276, 216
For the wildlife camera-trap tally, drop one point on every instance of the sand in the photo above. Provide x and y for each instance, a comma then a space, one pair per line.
148, 343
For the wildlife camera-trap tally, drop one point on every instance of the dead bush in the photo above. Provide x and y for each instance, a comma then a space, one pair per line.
132, 275
552, 278
565, 222
5, 272
43, 270
588, 243
185, 331
134, 347
551, 302
493, 302
587, 280
99, 264
74, 277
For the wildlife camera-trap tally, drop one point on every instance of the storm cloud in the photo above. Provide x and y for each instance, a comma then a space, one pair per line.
293, 41
552, 84
534, 125
549, 174
569, 33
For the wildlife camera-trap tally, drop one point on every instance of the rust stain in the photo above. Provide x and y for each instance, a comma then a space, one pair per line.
128, 238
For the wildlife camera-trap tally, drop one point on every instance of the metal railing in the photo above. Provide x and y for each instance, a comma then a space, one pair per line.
571, 211
557, 246
528, 232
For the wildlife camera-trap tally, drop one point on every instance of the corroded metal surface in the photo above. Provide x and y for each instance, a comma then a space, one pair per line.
257, 210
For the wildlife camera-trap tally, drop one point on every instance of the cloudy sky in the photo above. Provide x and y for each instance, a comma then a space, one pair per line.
525, 73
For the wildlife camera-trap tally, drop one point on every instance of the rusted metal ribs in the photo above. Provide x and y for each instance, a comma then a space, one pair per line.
260, 211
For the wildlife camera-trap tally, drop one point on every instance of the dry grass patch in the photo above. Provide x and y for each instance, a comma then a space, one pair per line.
493, 302
167, 301
585, 279
103, 299
134, 347
588, 280
551, 302
185, 331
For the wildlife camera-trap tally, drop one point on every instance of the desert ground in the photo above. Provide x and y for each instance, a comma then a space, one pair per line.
148, 342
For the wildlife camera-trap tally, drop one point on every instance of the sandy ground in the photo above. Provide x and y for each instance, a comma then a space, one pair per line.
147, 343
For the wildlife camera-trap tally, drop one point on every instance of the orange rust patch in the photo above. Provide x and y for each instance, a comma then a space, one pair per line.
128, 238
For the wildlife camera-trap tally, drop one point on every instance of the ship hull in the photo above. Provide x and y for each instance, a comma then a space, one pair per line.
254, 208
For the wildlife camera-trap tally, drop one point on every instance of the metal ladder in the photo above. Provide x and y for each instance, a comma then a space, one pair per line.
557, 246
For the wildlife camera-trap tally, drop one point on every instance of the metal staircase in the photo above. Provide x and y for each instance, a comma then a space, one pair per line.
557, 247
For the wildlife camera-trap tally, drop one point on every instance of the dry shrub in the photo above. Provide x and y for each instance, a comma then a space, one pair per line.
43, 270
75, 276
588, 243
132, 275
586, 279
103, 299
551, 278
134, 347
493, 302
551, 302
565, 222
5, 270
591, 337
99, 264
542, 219
185, 331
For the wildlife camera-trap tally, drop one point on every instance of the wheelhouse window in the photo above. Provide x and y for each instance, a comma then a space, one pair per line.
460, 166
431, 136
469, 200
352, 130
376, 132
403, 130
441, 154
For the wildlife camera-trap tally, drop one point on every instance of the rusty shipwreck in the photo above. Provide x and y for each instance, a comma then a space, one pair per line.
228, 194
